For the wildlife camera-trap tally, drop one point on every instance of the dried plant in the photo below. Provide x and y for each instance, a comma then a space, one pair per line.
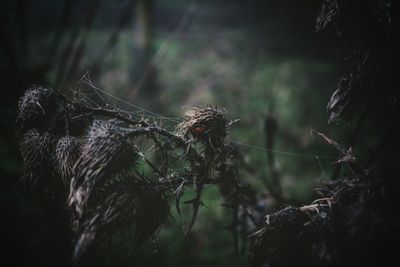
209, 125
369, 30
98, 166
38, 152
106, 153
36, 110
354, 223
131, 203
339, 229
68, 150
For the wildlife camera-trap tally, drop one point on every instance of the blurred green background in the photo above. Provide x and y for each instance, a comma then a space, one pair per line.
253, 58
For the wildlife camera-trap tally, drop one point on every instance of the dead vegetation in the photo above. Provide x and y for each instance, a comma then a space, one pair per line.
98, 168
355, 221
90, 152
351, 225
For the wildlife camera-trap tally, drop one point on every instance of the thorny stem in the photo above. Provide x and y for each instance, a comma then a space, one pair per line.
196, 202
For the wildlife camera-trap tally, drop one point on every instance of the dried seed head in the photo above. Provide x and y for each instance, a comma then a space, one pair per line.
107, 152
68, 150
37, 150
36, 109
209, 125
282, 241
210, 121
128, 203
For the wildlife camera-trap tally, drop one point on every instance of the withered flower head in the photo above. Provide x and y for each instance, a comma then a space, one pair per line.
207, 123
36, 109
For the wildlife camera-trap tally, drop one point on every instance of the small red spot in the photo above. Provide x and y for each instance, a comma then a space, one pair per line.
198, 130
